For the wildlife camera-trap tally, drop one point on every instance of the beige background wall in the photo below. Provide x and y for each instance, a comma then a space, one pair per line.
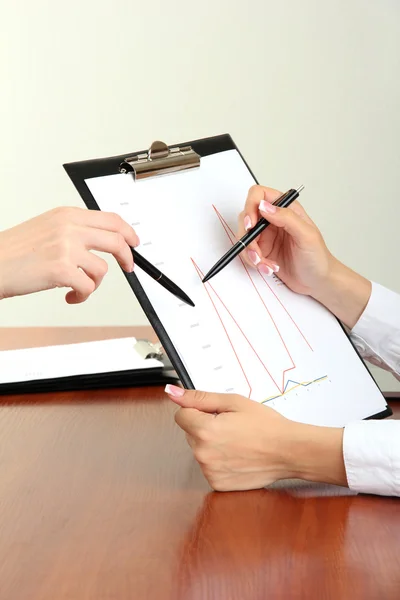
308, 89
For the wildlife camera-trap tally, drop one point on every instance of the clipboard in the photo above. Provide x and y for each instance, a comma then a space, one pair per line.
160, 160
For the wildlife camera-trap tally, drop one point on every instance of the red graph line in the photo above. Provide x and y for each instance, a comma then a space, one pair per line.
229, 231
286, 311
201, 275
233, 240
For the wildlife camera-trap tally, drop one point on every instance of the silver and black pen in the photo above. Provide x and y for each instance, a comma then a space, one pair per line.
282, 202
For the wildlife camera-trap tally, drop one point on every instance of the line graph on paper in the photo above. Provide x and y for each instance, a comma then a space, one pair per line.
274, 356
295, 385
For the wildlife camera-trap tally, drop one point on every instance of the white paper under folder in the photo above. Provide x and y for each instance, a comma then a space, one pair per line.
88, 358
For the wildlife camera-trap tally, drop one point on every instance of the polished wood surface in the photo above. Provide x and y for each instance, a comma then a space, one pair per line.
100, 499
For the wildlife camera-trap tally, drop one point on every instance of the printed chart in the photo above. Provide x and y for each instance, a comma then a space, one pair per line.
287, 334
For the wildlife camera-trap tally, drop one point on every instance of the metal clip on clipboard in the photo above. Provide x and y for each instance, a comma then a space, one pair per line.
160, 160
147, 350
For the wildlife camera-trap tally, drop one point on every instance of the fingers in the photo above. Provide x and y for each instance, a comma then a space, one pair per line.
82, 231
253, 256
94, 267
256, 194
288, 220
254, 247
85, 278
264, 265
82, 285
208, 402
112, 222
260, 196
192, 420
99, 220
248, 218
251, 213
108, 241
293, 220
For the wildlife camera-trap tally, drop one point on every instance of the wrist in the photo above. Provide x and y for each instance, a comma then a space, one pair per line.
344, 292
316, 454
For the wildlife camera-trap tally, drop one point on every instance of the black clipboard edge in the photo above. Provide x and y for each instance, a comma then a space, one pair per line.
384, 413
81, 170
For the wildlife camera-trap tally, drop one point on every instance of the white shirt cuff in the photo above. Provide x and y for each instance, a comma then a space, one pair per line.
371, 451
376, 335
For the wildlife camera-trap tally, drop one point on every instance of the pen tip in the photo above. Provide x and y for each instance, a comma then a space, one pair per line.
300, 189
187, 300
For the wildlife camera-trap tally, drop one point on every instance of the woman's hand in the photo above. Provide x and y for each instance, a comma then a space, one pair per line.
292, 247
53, 250
242, 445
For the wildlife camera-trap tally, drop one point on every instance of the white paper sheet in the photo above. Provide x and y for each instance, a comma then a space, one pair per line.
72, 359
248, 333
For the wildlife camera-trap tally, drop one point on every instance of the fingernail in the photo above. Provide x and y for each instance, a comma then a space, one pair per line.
174, 390
265, 270
247, 223
132, 268
138, 241
275, 268
267, 207
253, 256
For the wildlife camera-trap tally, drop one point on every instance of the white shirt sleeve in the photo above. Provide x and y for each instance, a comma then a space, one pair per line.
376, 335
371, 449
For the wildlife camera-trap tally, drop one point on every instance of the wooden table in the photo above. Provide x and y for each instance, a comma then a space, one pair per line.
101, 499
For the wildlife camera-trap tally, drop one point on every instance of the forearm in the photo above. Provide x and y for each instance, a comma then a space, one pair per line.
345, 294
316, 454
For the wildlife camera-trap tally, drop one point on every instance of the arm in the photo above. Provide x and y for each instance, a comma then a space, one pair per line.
344, 292
370, 311
293, 246
54, 250
243, 445
376, 334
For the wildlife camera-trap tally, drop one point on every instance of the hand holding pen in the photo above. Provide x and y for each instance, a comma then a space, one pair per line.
253, 232
291, 246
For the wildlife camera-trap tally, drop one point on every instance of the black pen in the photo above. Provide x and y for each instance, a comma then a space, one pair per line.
283, 201
162, 279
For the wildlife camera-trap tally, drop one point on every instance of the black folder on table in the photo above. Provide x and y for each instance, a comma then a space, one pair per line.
153, 374
157, 161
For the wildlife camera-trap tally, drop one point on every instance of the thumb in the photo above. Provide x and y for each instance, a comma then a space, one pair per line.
285, 218
208, 402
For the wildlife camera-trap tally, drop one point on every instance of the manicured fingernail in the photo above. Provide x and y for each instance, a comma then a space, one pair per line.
275, 268
174, 391
265, 270
267, 207
247, 223
253, 256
